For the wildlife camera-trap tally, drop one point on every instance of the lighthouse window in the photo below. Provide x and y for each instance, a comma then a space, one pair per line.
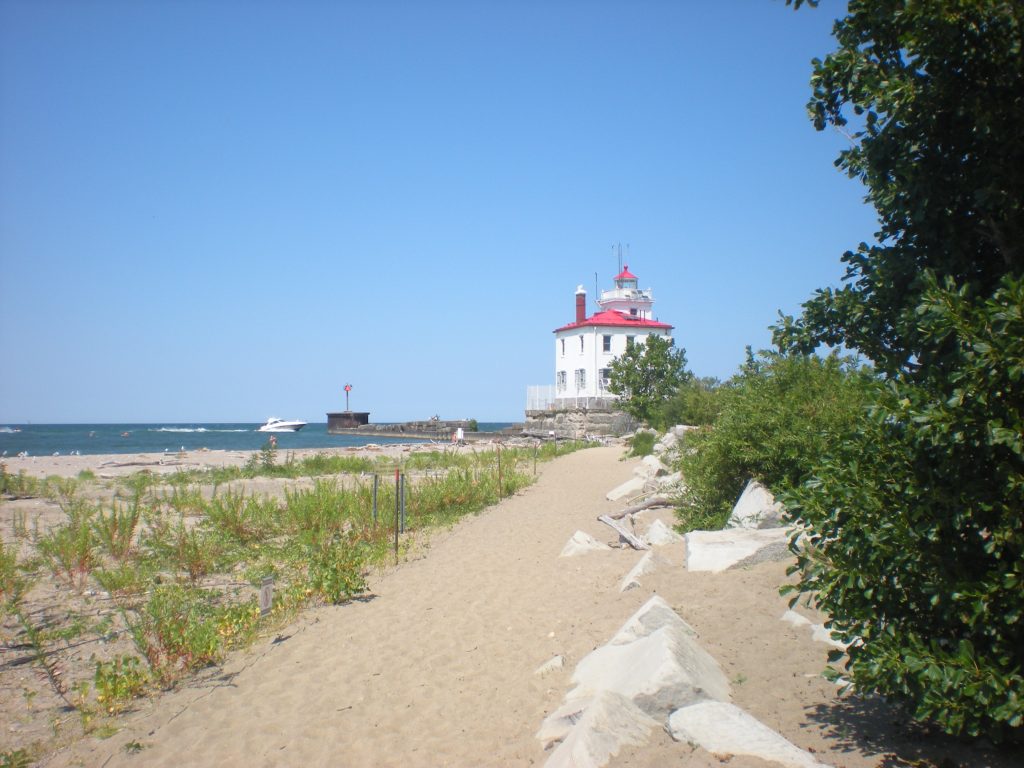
560, 380
563, 346
629, 341
605, 374
606, 343
581, 378
581, 343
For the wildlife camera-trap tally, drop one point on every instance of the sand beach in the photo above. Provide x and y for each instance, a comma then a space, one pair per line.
437, 664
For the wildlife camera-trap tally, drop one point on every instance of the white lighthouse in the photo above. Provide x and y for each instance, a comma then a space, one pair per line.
586, 347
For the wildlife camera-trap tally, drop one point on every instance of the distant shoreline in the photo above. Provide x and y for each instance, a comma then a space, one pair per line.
120, 464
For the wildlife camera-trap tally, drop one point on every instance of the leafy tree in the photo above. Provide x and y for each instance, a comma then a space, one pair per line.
932, 97
647, 374
915, 521
778, 415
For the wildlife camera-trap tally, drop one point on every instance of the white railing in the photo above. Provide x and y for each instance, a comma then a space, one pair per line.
540, 397
544, 397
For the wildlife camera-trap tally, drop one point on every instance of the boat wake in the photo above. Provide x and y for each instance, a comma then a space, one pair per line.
194, 429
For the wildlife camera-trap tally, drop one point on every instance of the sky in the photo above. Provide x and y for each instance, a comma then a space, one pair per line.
221, 210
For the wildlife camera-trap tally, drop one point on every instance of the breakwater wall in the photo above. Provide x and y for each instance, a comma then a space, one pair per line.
428, 429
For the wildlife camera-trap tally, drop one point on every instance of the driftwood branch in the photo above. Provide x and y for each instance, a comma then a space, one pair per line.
625, 535
657, 501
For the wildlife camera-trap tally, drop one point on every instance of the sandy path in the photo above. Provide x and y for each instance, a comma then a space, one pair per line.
437, 669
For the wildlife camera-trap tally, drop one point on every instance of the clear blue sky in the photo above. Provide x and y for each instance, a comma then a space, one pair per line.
222, 211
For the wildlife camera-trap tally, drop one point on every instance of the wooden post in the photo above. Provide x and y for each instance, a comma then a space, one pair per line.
499, 471
396, 513
376, 485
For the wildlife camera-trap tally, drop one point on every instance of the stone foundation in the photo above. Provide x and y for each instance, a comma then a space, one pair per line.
576, 423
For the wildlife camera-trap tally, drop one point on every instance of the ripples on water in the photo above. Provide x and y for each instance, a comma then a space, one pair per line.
47, 439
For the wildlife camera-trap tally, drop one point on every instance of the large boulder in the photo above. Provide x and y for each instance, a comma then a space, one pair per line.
660, 535
667, 444
651, 667
632, 487
592, 730
581, 543
644, 565
756, 508
726, 730
649, 466
717, 550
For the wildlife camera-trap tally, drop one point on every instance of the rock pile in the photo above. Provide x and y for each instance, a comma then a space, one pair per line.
653, 672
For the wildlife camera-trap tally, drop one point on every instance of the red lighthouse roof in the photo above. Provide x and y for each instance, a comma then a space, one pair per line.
625, 274
612, 319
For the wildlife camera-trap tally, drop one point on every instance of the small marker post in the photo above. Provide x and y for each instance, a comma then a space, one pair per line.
402, 496
266, 595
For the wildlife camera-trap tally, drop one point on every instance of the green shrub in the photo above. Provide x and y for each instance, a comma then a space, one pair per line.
641, 443
127, 580
335, 568
177, 631
697, 403
245, 519
13, 583
195, 551
915, 544
19, 486
118, 681
70, 552
779, 416
115, 529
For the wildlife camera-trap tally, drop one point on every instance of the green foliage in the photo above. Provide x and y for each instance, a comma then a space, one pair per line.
13, 583
916, 545
641, 443
194, 551
128, 580
696, 403
19, 486
16, 758
779, 415
243, 519
115, 529
70, 551
177, 631
185, 497
646, 375
929, 93
335, 568
119, 681
915, 519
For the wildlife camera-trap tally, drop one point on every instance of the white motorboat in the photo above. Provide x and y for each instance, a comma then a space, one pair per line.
280, 425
